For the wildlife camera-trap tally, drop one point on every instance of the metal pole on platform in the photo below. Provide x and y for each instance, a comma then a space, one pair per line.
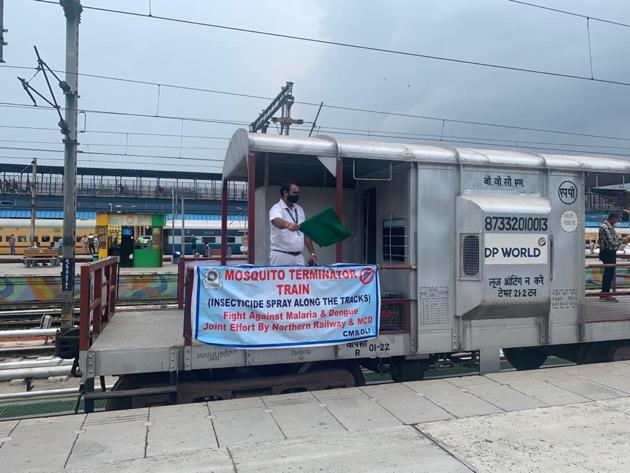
33, 190
183, 230
72, 10
173, 216
224, 216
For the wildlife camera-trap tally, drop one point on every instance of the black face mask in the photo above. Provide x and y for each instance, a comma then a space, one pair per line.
293, 198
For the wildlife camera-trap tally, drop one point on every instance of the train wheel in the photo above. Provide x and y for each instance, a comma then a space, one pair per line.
137, 381
619, 352
407, 370
525, 358
118, 404
597, 352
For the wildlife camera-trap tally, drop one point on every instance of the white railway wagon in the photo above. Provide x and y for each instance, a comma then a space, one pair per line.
479, 250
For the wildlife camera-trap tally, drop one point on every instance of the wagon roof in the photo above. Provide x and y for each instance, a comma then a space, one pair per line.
243, 142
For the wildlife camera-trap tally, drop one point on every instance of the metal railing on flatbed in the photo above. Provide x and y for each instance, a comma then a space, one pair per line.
608, 307
189, 262
396, 311
190, 277
99, 282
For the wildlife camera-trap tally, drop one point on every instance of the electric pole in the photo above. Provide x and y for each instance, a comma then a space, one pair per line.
33, 190
283, 101
173, 217
2, 30
285, 119
72, 10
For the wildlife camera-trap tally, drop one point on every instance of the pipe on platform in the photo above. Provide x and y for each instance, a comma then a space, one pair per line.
35, 373
35, 332
26, 349
14, 365
44, 394
39, 394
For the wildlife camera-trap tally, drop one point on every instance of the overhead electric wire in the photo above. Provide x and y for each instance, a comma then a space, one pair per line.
504, 142
476, 123
165, 135
174, 158
472, 141
359, 132
116, 145
349, 45
352, 109
507, 141
18, 127
365, 132
478, 143
97, 161
127, 114
571, 13
85, 152
114, 132
145, 82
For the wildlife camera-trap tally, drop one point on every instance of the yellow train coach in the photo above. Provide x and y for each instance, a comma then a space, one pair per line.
47, 233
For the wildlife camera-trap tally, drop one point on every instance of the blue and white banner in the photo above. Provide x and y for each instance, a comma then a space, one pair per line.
285, 306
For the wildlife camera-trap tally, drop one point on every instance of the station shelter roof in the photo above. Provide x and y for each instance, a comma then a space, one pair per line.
52, 214
208, 217
82, 171
58, 214
596, 224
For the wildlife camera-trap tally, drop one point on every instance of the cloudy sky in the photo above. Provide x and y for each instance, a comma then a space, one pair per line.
148, 49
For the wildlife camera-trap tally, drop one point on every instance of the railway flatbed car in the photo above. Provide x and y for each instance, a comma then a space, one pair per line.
477, 251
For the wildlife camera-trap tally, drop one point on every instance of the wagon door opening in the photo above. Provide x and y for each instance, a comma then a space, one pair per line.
369, 226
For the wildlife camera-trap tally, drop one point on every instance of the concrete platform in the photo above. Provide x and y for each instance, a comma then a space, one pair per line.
567, 419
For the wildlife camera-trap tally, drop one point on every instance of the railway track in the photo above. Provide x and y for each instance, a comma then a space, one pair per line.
34, 317
12, 317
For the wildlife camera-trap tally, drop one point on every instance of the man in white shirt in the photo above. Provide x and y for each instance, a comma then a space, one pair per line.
287, 241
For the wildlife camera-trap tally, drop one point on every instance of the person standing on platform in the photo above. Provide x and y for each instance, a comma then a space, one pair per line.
608, 244
193, 245
287, 241
91, 247
12, 244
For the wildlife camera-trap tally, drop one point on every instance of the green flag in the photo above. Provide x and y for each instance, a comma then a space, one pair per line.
324, 228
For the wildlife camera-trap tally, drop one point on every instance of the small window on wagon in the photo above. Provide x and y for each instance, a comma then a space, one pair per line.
45, 239
21, 239
394, 240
